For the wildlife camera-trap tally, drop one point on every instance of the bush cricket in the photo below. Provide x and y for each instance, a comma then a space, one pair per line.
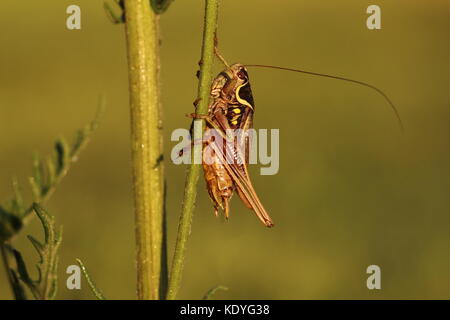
231, 109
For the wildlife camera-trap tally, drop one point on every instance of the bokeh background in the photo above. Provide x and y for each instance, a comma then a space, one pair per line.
352, 190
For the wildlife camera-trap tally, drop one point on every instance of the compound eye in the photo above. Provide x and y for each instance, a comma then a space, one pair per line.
242, 74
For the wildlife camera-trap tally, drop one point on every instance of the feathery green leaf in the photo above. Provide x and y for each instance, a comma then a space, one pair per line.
46, 175
44, 288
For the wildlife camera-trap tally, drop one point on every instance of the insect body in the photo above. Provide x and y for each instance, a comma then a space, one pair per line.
225, 164
231, 108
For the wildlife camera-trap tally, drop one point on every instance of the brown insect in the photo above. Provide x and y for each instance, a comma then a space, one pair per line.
225, 156
225, 161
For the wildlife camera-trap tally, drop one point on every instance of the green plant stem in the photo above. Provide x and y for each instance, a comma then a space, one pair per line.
146, 148
190, 191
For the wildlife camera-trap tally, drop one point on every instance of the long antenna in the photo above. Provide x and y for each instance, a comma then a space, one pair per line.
221, 58
338, 78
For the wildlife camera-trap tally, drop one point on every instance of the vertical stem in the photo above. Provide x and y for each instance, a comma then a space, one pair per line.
146, 147
190, 191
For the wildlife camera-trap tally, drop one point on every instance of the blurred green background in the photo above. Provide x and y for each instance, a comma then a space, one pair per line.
351, 190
